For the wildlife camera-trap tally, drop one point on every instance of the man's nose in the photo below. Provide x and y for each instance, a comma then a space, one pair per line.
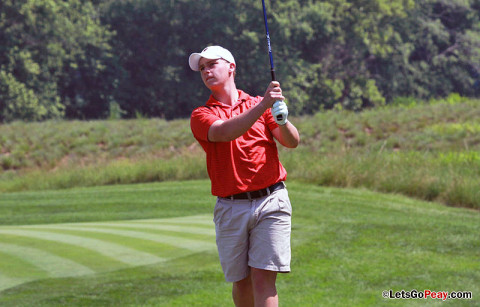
206, 71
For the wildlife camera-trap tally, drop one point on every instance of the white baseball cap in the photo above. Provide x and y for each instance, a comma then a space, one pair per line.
211, 53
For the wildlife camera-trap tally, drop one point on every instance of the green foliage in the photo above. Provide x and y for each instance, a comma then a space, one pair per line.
437, 53
128, 59
348, 54
53, 60
17, 101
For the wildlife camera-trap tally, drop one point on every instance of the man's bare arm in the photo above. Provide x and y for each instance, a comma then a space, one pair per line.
287, 135
229, 130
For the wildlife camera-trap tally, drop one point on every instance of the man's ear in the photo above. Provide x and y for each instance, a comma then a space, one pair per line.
232, 68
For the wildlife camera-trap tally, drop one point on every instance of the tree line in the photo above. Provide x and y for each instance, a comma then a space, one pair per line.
94, 59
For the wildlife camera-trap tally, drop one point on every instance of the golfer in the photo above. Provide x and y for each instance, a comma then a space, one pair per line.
253, 213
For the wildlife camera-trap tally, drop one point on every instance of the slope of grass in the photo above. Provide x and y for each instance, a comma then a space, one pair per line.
78, 249
348, 246
436, 126
62, 144
425, 150
105, 203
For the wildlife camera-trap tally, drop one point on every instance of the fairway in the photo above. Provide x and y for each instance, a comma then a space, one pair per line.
75, 249
154, 245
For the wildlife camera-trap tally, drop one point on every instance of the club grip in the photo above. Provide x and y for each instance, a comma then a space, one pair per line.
279, 117
272, 72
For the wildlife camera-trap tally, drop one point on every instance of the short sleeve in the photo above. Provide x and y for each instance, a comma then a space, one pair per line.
200, 121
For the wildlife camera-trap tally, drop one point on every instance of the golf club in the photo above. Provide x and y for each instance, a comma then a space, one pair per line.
272, 67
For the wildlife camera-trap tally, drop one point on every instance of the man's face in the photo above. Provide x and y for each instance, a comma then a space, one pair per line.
215, 72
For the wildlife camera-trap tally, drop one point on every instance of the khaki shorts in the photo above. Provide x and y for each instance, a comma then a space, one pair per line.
253, 233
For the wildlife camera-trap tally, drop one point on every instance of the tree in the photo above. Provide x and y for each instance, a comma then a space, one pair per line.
52, 60
339, 53
109, 58
154, 39
438, 51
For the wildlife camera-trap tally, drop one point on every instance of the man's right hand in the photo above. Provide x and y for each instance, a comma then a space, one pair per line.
272, 94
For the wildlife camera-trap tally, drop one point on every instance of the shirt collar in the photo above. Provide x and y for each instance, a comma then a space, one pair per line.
242, 97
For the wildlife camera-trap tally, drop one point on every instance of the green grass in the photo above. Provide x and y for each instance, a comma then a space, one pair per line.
426, 150
348, 246
104, 203
451, 178
94, 213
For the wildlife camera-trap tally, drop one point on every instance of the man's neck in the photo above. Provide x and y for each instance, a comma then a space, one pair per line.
227, 95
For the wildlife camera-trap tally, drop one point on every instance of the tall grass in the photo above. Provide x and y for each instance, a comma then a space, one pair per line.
449, 178
51, 145
117, 172
428, 150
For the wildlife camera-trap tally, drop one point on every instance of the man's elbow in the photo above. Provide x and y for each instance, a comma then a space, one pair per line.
218, 133
220, 138
293, 143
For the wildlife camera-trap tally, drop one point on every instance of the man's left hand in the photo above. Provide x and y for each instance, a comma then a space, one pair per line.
280, 108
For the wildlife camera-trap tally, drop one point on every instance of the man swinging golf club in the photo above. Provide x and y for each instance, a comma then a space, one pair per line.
253, 213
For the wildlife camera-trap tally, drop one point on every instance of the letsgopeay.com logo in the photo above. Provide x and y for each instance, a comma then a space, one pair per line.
427, 294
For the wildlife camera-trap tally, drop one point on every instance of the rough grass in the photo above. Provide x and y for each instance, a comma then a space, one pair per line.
425, 150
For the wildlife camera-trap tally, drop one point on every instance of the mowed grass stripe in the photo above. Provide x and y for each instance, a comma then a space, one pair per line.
24, 264
169, 228
8, 282
199, 224
161, 231
153, 243
208, 238
15, 271
14, 267
86, 257
115, 251
54, 265
75, 249
194, 220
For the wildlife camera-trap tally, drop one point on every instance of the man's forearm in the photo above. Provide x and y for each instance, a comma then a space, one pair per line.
229, 130
287, 135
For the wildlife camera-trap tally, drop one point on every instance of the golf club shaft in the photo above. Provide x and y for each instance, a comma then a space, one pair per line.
272, 67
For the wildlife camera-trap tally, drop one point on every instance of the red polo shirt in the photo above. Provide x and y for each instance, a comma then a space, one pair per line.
248, 163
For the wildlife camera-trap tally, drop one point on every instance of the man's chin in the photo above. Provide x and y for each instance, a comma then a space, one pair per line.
210, 83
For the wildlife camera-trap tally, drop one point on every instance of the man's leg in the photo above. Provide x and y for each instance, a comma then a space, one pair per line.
264, 290
258, 289
242, 292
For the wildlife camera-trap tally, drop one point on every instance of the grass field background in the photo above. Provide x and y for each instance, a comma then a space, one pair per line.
119, 212
153, 245
427, 150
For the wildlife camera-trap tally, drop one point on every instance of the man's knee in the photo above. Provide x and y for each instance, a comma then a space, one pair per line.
263, 280
243, 286
242, 292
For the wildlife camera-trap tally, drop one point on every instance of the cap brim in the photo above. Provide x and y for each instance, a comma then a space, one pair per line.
194, 59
